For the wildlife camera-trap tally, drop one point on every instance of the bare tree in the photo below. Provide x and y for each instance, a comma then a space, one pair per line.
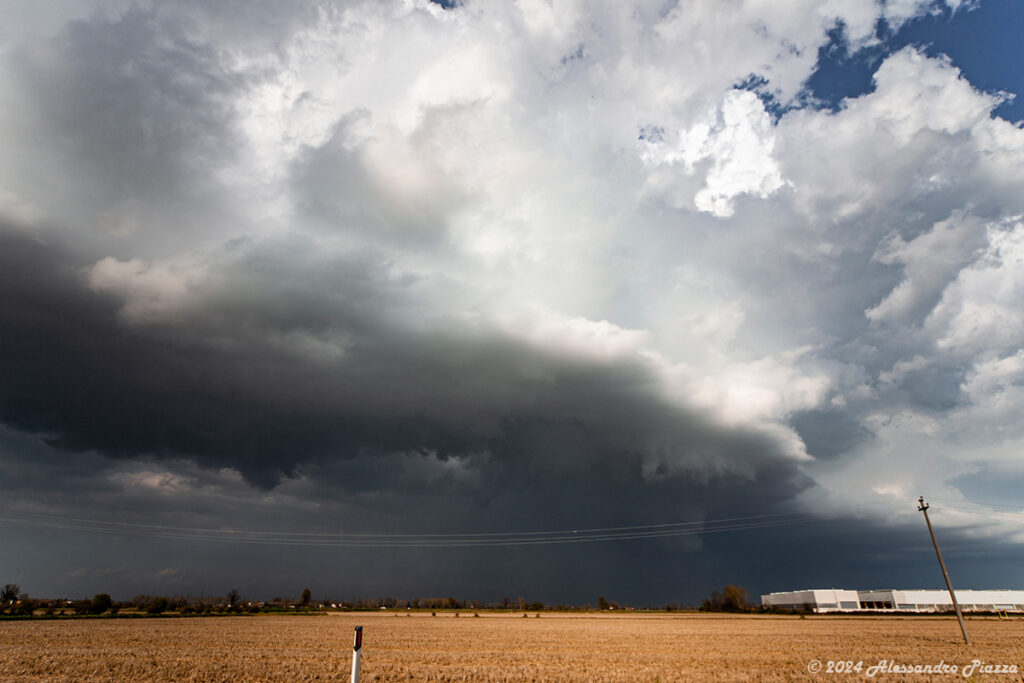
9, 593
731, 599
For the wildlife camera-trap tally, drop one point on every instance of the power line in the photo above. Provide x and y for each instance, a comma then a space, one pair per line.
606, 534
43, 517
977, 503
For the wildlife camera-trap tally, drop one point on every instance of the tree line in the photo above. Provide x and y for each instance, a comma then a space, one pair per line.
13, 602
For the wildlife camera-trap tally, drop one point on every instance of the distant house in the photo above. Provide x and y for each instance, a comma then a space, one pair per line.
891, 600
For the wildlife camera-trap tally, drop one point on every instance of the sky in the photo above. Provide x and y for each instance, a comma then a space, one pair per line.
552, 299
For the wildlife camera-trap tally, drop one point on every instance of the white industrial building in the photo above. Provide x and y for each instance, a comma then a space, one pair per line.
842, 600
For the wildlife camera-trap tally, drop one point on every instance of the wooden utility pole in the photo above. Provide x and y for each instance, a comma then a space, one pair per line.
923, 507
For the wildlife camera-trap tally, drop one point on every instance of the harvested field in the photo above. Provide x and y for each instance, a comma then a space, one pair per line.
498, 647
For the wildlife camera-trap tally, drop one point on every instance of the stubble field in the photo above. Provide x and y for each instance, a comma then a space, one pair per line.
499, 647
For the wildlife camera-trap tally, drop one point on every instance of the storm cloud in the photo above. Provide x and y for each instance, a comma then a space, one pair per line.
502, 267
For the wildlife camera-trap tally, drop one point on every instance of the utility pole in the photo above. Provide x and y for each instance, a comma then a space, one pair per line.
923, 507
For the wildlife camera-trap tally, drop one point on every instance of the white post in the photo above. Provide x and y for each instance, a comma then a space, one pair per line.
357, 649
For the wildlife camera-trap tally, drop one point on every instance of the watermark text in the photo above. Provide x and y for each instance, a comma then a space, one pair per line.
975, 667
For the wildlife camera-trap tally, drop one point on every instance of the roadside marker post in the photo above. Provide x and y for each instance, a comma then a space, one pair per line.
357, 650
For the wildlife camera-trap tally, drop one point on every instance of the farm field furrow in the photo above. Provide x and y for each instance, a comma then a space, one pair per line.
501, 647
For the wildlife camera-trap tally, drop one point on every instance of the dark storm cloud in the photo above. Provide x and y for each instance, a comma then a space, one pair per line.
231, 382
29, 464
386, 267
378, 439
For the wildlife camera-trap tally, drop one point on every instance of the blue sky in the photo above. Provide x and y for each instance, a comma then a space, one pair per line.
982, 40
408, 268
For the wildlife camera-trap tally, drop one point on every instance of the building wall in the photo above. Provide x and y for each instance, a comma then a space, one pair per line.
819, 600
970, 600
789, 600
843, 600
